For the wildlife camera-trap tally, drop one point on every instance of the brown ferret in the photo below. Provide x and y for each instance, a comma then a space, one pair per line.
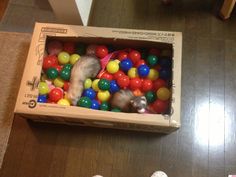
127, 102
86, 67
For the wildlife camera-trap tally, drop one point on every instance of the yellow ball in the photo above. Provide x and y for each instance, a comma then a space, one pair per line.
95, 85
74, 58
153, 74
87, 83
43, 88
133, 72
163, 93
112, 67
58, 82
117, 61
104, 95
63, 58
63, 102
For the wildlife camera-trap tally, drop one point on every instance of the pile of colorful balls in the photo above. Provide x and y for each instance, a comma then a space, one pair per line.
146, 72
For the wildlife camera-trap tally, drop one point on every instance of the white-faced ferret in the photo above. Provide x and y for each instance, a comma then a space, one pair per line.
86, 67
127, 102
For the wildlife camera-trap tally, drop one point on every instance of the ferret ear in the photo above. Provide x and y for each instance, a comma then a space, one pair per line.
143, 98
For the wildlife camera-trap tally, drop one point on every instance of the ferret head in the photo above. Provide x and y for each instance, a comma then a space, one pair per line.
139, 103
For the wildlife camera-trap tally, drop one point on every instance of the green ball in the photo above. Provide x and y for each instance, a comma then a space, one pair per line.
104, 106
152, 60
67, 66
84, 102
81, 49
116, 110
65, 74
52, 73
150, 96
104, 84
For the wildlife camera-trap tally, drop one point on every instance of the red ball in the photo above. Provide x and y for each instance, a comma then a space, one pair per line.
58, 68
122, 55
56, 94
66, 86
107, 76
140, 62
158, 84
157, 67
160, 106
154, 51
147, 85
54, 47
135, 83
118, 74
101, 51
49, 61
69, 47
135, 56
123, 81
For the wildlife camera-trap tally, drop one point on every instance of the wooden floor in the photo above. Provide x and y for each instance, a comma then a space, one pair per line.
205, 145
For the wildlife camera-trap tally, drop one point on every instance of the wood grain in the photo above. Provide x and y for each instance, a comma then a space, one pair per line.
205, 145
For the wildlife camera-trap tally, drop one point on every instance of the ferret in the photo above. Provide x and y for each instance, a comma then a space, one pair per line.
127, 102
86, 67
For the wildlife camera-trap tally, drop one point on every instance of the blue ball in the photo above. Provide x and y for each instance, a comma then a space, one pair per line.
143, 70
42, 98
165, 62
89, 93
95, 104
114, 87
165, 73
126, 64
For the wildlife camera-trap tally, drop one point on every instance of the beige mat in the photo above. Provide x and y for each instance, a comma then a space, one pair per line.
13, 52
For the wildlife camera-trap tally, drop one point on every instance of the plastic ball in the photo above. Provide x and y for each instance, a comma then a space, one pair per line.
135, 83
95, 85
123, 81
103, 95
58, 67
140, 62
137, 92
165, 62
133, 72
66, 86
63, 58
67, 66
103, 84
153, 74
87, 83
91, 49
90, 93
114, 87
58, 82
143, 70
107, 76
64, 102
80, 48
52, 73
154, 51
104, 106
122, 55
159, 83
163, 93
65, 74
101, 51
95, 105
126, 64
115, 110
84, 102
112, 67
49, 61
42, 99
165, 73
74, 58
150, 96
160, 106
69, 47
117, 61
43, 88
152, 60
56, 94
146, 85
118, 74
54, 47
135, 56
